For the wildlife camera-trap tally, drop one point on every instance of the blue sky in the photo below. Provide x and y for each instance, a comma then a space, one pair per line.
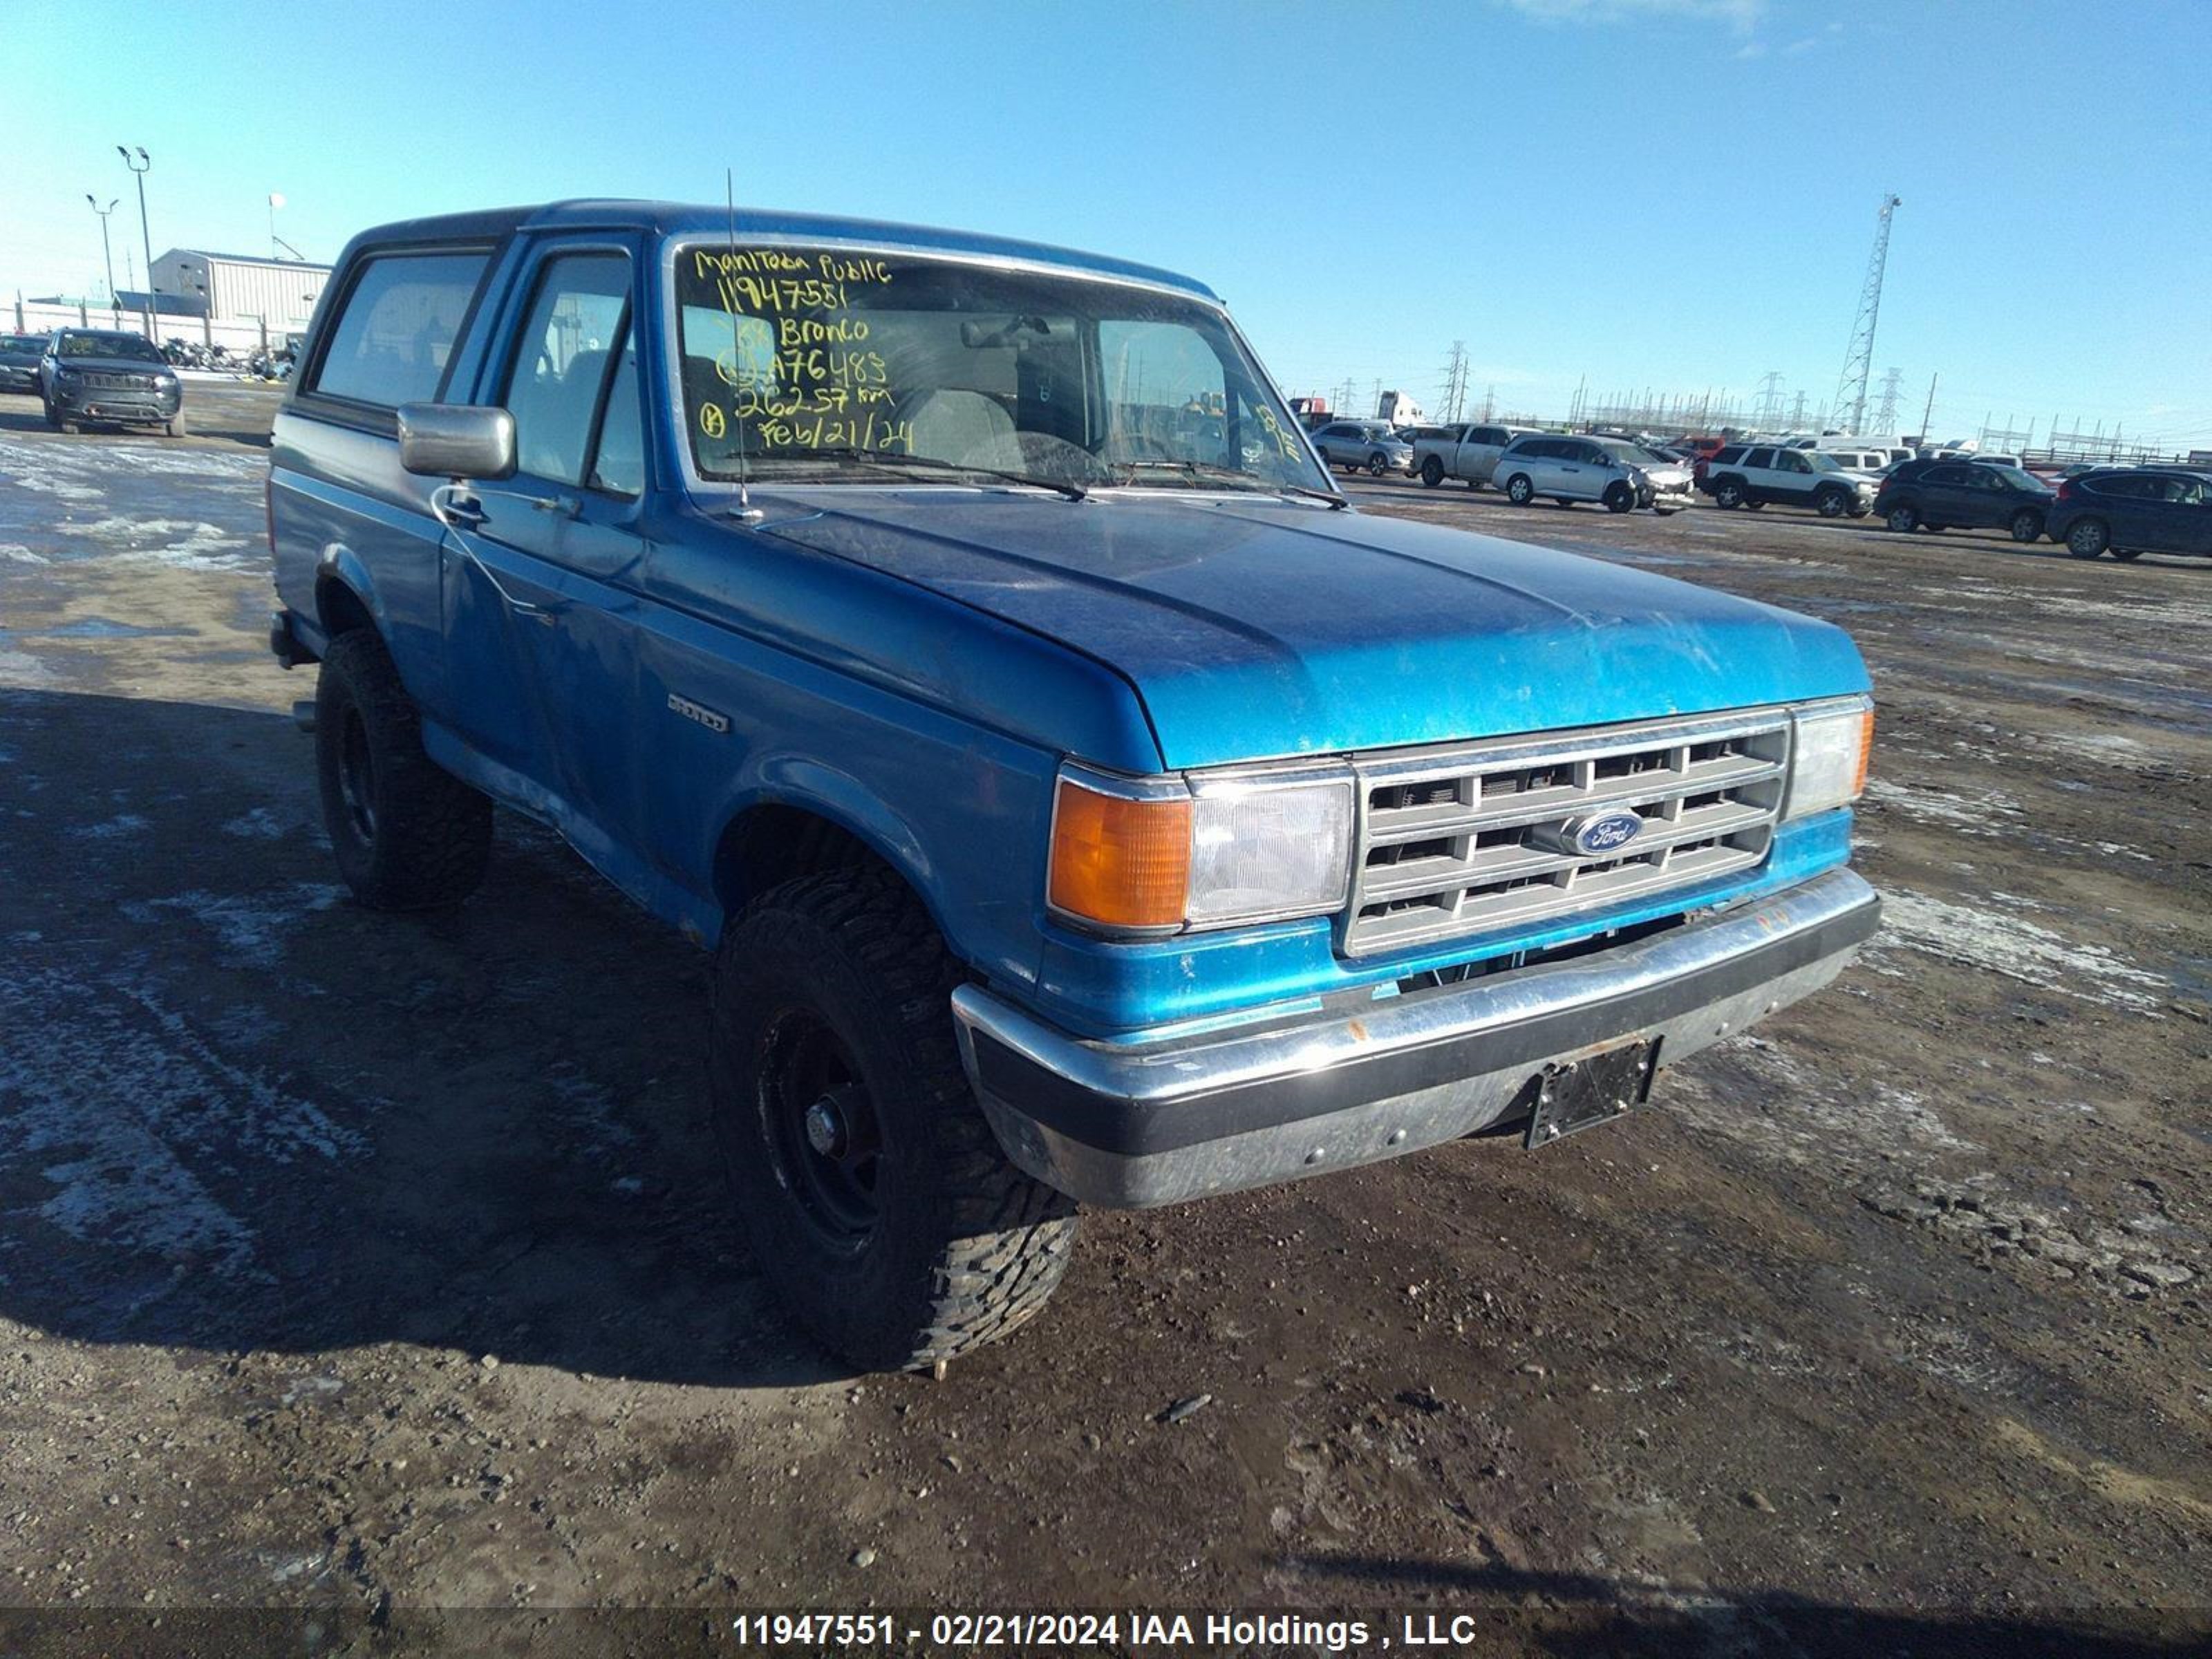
1677, 194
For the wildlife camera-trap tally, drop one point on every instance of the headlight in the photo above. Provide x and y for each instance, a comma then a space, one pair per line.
1828, 755
1150, 855
1269, 847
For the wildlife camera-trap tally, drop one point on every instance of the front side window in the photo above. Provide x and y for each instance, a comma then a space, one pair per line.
1792, 460
804, 363
1760, 458
577, 334
393, 339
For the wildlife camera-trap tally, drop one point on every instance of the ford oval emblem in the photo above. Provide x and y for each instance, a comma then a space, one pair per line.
1606, 832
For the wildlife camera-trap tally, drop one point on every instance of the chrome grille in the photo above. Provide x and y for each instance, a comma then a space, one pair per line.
121, 382
1463, 840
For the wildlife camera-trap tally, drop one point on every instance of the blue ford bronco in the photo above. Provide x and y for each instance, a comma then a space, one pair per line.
959, 638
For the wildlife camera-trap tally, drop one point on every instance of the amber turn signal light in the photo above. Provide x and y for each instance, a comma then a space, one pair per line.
1119, 862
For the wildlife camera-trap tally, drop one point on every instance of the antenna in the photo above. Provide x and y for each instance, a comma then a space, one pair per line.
746, 510
1858, 357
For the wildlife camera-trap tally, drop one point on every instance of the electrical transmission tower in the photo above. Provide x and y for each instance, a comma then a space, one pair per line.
1892, 383
1454, 382
1769, 406
1858, 360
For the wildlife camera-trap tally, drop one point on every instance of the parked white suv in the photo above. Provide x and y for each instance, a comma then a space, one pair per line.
1622, 475
1369, 445
1753, 475
1462, 452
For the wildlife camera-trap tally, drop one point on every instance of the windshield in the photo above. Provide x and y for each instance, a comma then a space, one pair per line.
108, 345
804, 363
1658, 457
22, 345
2016, 479
1826, 461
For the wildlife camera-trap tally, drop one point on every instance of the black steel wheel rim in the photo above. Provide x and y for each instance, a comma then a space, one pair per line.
823, 1128
357, 776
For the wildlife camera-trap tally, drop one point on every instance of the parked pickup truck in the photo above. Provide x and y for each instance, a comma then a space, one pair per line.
960, 639
1470, 452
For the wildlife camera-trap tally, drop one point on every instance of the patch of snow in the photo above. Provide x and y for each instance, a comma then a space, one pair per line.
2018, 948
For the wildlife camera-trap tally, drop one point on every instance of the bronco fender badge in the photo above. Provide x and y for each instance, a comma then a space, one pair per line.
699, 711
1602, 832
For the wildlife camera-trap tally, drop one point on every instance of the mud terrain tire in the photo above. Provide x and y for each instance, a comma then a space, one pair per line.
878, 1203
407, 835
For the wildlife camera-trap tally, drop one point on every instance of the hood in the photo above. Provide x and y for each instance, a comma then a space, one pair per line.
114, 365
1256, 629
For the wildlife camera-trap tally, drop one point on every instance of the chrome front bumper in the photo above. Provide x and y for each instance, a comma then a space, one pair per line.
1131, 1126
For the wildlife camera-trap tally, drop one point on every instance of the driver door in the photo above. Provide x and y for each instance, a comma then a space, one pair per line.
546, 583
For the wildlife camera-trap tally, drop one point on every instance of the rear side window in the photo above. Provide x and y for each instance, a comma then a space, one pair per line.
1728, 454
2129, 487
392, 341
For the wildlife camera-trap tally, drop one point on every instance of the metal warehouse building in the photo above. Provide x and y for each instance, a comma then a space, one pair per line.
277, 295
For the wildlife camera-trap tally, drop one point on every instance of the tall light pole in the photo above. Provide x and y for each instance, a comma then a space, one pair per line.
114, 305
139, 168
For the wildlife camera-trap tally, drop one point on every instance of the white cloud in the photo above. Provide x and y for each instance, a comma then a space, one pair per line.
1740, 15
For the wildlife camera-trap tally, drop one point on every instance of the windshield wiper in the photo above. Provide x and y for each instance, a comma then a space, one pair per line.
1074, 492
1244, 481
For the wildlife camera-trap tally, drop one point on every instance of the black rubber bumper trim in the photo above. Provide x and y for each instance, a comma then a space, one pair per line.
1130, 1128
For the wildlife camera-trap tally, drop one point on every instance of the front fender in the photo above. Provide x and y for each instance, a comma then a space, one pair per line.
971, 847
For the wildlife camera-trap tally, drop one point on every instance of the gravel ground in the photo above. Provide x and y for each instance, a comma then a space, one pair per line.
359, 1268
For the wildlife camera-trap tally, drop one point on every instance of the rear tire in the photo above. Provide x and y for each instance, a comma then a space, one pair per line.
1729, 493
174, 426
1519, 490
1432, 471
2125, 555
876, 1198
407, 835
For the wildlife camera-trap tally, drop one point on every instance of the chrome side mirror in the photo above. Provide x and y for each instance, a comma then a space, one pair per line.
456, 441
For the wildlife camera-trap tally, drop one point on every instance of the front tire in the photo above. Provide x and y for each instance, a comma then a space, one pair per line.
1831, 503
876, 1198
2028, 525
1903, 519
1519, 490
1619, 498
1377, 465
1432, 471
407, 835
